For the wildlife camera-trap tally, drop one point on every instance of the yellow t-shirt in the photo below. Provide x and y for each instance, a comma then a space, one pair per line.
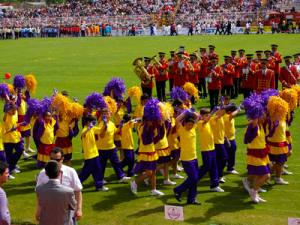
22, 108
1, 138
126, 136
117, 118
218, 129
206, 136
89, 146
107, 142
9, 123
259, 141
279, 136
229, 127
187, 143
151, 154
64, 128
162, 143
172, 137
48, 135
139, 111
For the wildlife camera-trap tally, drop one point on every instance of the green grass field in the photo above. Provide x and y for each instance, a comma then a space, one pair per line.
85, 65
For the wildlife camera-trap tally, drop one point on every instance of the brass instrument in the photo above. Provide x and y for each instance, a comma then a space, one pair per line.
155, 61
141, 71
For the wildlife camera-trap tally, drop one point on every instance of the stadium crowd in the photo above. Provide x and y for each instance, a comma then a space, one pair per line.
80, 18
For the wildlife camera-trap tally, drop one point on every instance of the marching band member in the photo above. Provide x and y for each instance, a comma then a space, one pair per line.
288, 74
203, 73
248, 76
278, 60
183, 67
271, 60
264, 78
228, 73
171, 70
161, 77
148, 86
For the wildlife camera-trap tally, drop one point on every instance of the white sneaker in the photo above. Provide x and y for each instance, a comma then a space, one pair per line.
30, 150
162, 172
169, 182
18, 167
281, 181
261, 190
26, 155
222, 180
176, 176
133, 187
15, 171
104, 182
233, 172
124, 179
146, 181
217, 189
179, 168
261, 199
286, 172
254, 196
285, 166
11, 177
157, 193
103, 188
246, 184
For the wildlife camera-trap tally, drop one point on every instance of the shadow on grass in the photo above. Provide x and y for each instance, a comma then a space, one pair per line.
22, 223
232, 201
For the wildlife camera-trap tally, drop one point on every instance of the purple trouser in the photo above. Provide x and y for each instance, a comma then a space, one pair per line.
209, 165
221, 158
231, 155
128, 161
190, 183
2, 156
112, 155
11, 156
92, 167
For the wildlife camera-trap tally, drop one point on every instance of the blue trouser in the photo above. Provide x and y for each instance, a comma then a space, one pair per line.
112, 155
221, 158
128, 161
190, 183
11, 156
209, 165
231, 155
92, 167
2, 156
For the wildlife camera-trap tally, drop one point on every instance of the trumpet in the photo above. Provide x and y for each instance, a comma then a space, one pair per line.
155, 61
141, 71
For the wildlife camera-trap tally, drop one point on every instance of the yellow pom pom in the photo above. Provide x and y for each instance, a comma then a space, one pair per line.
111, 104
277, 108
290, 96
31, 83
61, 103
166, 110
191, 90
297, 88
75, 110
11, 88
134, 92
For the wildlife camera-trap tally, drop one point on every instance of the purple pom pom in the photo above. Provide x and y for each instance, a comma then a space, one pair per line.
152, 110
45, 105
4, 91
265, 95
34, 107
19, 82
115, 87
178, 93
95, 101
254, 107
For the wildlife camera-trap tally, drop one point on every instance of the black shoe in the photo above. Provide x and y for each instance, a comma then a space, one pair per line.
194, 203
177, 196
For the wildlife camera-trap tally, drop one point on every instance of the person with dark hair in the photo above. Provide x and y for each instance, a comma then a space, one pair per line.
68, 178
12, 138
4, 211
54, 200
46, 133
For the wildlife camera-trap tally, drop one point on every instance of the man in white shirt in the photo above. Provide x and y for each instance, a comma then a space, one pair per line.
4, 212
68, 178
